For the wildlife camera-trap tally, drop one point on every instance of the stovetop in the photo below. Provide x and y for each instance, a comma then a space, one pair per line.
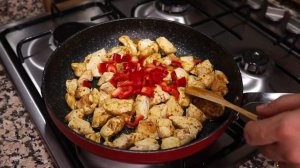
242, 30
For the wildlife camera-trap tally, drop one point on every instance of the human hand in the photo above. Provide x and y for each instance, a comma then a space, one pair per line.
277, 135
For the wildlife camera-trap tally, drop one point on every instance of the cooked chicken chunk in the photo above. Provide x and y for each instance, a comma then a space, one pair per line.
174, 109
78, 113
181, 73
210, 109
92, 62
71, 86
122, 50
71, 101
105, 77
147, 47
158, 111
126, 41
100, 53
165, 45
78, 68
151, 58
184, 136
194, 112
183, 100
187, 63
112, 127
81, 126
94, 96
219, 85
85, 104
165, 127
148, 127
102, 97
205, 73
146, 144
96, 137
194, 81
118, 106
126, 141
81, 91
85, 76
100, 117
189, 123
142, 105
160, 96
170, 142
107, 87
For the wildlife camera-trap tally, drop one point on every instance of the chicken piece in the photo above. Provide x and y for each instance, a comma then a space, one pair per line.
181, 73
184, 136
71, 101
147, 47
146, 144
94, 96
187, 63
160, 96
183, 100
126, 41
194, 81
96, 137
148, 128
71, 86
170, 142
92, 62
142, 105
166, 60
100, 53
174, 109
118, 106
102, 97
107, 87
151, 58
165, 127
219, 85
81, 91
165, 45
81, 126
85, 104
189, 123
210, 109
194, 112
158, 111
100, 117
124, 141
85, 76
78, 113
78, 68
205, 73
112, 127
122, 50
106, 77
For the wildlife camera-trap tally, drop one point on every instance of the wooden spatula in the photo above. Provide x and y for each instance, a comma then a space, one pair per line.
211, 96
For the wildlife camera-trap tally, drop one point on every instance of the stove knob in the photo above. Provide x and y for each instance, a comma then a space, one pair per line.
254, 62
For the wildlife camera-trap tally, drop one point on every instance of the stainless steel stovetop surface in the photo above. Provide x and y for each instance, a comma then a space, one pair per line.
27, 75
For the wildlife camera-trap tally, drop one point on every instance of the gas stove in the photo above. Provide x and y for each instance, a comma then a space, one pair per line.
262, 38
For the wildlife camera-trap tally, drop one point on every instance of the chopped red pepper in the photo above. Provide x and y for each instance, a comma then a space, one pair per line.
176, 63
135, 122
102, 67
126, 58
123, 92
181, 82
165, 87
173, 76
175, 93
148, 91
117, 57
197, 60
111, 68
87, 83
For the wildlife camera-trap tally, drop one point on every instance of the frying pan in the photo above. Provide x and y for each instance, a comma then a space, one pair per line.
188, 42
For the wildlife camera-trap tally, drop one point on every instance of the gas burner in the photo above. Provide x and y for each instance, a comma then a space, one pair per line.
254, 62
172, 6
173, 10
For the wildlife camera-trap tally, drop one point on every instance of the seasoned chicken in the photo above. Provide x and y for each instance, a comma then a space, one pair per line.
194, 81
100, 117
165, 45
78, 68
195, 112
112, 127
181, 73
210, 109
158, 111
146, 144
205, 73
85, 76
170, 142
166, 60
96, 137
78, 113
71, 86
102, 97
81, 91
122, 50
126, 141
165, 127
71, 101
107, 87
105, 77
100, 53
189, 123
92, 62
148, 127
160, 96
187, 63
219, 85
183, 100
151, 58
126, 41
147, 47
118, 106
174, 109
81, 126
142, 105
184, 136
85, 104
